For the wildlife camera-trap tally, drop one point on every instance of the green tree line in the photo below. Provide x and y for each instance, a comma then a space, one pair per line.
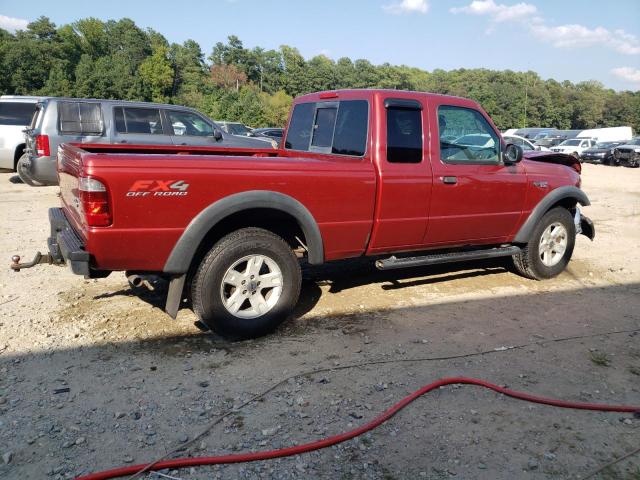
118, 59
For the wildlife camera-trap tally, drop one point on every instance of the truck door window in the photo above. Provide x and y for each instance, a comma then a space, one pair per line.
137, 120
404, 135
466, 136
83, 118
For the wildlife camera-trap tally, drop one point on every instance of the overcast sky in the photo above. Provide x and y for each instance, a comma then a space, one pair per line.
566, 40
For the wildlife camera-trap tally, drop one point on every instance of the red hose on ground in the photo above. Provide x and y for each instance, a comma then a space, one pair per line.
342, 437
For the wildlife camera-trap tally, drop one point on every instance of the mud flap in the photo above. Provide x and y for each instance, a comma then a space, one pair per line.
587, 228
174, 295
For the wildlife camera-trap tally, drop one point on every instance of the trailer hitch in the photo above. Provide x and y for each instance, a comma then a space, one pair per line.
16, 266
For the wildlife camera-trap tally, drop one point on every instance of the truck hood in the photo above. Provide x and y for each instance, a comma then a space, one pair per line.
554, 157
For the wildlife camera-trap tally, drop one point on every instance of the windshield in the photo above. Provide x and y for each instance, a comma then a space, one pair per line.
606, 144
238, 129
572, 143
635, 141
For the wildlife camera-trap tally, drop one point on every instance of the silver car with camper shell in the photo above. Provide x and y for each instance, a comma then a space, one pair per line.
63, 120
15, 115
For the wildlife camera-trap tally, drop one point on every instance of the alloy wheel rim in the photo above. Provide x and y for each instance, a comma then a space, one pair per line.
553, 244
251, 286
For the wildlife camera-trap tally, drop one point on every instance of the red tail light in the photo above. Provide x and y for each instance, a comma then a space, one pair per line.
42, 145
94, 200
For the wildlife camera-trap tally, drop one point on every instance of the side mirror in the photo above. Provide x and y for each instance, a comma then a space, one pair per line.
217, 135
512, 154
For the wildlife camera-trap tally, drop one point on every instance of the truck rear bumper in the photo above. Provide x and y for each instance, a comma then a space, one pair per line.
65, 246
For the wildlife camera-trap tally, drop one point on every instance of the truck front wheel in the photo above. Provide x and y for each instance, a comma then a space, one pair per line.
247, 284
550, 248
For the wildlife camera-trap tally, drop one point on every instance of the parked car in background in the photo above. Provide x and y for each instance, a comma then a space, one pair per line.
61, 120
628, 154
574, 146
608, 134
550, 140
601, 152
273, 132
531, 133
481, 140
234, 128
523, 143
241, 130
15, 116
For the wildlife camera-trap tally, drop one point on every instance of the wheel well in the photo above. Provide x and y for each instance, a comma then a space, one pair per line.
18, 153
277, 221
567, 202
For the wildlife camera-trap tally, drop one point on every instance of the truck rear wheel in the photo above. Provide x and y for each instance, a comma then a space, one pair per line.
22, 170
550, 248
247, 284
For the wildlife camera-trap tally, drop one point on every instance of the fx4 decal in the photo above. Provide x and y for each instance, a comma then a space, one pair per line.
158, 188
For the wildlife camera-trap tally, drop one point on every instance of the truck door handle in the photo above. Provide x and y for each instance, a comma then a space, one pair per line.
449, 180
123, 141
183, 143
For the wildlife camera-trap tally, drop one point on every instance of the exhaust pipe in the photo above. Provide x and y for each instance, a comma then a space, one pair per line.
137, 281
134, 280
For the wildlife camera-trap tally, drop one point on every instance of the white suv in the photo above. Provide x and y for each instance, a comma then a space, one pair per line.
15, 116
574, 146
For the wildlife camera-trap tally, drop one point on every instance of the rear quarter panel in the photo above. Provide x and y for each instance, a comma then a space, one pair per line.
338, 193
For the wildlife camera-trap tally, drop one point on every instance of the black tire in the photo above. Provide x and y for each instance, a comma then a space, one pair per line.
23, 172
208, 288
529, 263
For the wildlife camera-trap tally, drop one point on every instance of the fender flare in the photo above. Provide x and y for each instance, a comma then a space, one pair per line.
553, 197
184, 250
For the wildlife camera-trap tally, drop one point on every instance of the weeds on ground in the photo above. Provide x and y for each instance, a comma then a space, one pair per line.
600, 358
614, 473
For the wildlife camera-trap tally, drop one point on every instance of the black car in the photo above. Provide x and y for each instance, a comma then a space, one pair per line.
273, 132
601, 153
628, 154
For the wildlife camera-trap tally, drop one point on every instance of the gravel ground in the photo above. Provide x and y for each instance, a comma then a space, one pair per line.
93, 375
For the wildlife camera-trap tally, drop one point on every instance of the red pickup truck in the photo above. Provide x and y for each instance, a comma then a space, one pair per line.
406, 178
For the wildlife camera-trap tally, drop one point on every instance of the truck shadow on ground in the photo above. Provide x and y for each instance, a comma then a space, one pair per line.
340, 276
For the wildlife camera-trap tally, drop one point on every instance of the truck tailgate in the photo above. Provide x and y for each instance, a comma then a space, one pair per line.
70, 169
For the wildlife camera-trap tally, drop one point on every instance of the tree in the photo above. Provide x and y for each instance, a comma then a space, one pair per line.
157, 75
228, 76
117, 59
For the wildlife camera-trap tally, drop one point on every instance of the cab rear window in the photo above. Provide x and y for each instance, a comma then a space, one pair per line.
329, 127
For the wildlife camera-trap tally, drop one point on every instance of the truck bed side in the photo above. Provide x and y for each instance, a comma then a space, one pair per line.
148, 214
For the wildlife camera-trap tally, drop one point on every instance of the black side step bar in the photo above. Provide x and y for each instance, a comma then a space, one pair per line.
393, 262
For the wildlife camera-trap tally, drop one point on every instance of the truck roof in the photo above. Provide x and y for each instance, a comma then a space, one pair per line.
370, 93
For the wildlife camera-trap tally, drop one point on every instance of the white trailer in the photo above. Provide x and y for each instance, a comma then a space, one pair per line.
610, 134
